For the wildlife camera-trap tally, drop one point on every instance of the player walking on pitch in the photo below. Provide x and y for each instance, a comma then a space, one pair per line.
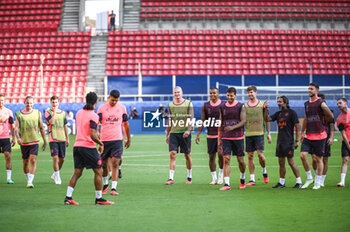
27, 125
343, 122
6, 124
113, 116
316, 111
178, 134
85, 153
231, 136
211, 111
287, 122
254, 134
58, 136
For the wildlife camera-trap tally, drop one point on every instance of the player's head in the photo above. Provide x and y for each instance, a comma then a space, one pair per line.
113, 97
313, 89
231, 94
91, 101
177, 92
214, 94
283, 102
29, 102
55, 101
252, 91
2, 100
342, 103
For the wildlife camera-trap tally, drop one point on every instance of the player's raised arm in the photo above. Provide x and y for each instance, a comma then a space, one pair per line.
202, 126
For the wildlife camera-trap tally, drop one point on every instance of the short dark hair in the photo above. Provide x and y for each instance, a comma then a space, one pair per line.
315, 85
231, 90
214, 88
91, 99
252, 87
321, 95
1, 95
114, 93
285, 100
343, 99
28, 97
54, 98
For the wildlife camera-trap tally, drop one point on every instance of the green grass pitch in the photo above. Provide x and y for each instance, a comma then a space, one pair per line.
146, 204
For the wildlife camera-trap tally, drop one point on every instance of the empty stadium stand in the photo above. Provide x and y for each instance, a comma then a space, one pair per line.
66, 57
228, 52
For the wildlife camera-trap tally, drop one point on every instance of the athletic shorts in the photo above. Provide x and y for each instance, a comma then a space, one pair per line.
315, 147
58, 148
5, 145
285, 150
212, 144
254, 143
344, 150
86, 158
176, 140
112, 149
29, 150
234, 147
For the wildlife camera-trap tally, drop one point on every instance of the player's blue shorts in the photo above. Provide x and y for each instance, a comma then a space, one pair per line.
5, 145
254, 143
112, 149
176, 140
86, 158
58, 148
29, 150
234, 147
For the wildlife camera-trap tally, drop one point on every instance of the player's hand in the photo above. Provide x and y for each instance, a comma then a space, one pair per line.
19, 141
100, 149
167, 139
186, 134
269, 138
197, 139
13, 142
296, 144
127, 143
229, 128
44, 146
266, 104
330, 141
67, 143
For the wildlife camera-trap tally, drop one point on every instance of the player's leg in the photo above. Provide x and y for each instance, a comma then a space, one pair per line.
8, 167
262, 161
304, 152
98, 187
325, 169
32, 170
212, 167
109, 167
250, 148
319, 149
221, 165
282, 171
189, 167
296, 172
54, 155
242, 167
314, 163
173, 148
227, 171
185, 147
343, 171
71, 185
105, 174
115, 169
120, 175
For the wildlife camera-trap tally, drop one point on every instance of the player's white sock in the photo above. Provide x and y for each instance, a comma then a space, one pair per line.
110, 173
221, 172
114, 184
105, 180
30, 178
26, 175
323, 178
69, 191
252, 177
57, 173
171, 174
299, 180
227, 180
309, 175
9, 173
282, 181
98, 194
243, 175
318, 180
264, 170
213, 175
189, 173
342, 178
